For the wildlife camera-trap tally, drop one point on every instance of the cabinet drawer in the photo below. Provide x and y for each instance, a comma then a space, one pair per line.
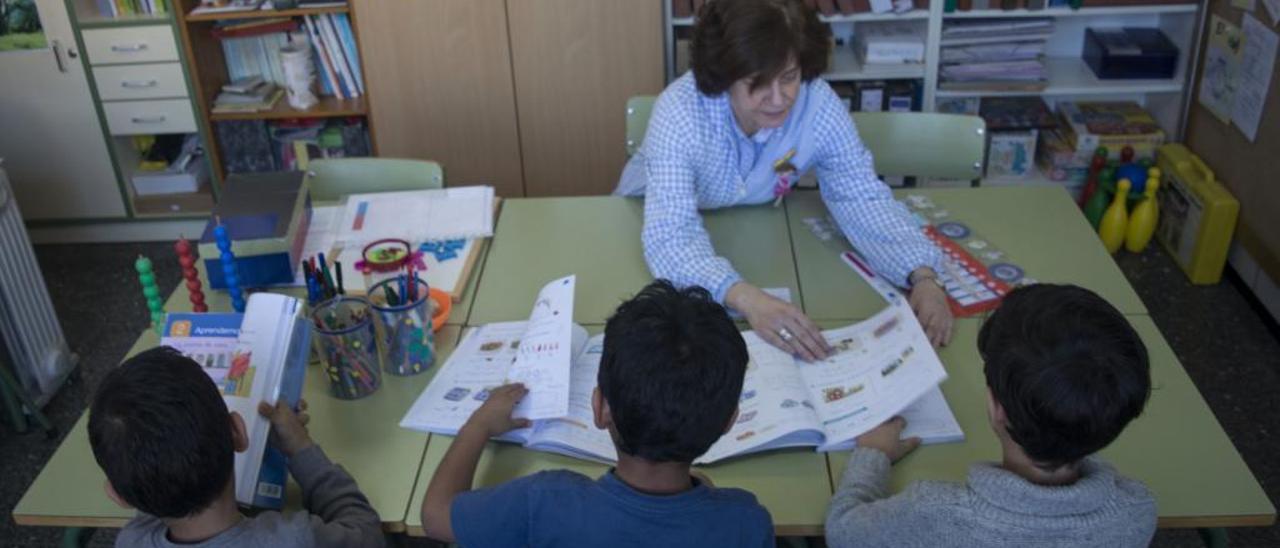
140, 81
148, 117
130, 45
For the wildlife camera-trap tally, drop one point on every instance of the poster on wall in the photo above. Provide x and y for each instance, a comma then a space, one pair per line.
20, 27
1257, 59
1221, 60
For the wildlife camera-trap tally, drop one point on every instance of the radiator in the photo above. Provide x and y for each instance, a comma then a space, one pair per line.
29, 329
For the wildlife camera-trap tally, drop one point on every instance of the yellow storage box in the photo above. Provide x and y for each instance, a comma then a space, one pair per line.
1197, 214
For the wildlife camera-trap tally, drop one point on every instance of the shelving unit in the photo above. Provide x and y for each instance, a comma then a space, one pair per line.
1069, 76
209, 73
154, 85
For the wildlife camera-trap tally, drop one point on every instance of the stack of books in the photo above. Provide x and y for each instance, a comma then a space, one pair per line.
252, 47
253, 94
336, 54
116, 8
995, 54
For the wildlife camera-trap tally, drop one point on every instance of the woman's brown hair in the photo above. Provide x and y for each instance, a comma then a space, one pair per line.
735, 39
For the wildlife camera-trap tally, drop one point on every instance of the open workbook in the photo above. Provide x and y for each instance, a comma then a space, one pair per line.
882, 367
260, 355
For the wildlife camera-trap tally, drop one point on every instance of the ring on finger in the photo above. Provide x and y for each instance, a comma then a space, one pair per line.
785, 335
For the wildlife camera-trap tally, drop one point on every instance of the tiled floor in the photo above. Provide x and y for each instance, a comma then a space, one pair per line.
1227, 346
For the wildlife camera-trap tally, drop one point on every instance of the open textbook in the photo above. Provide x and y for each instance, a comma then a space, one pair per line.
260, 355
883, 366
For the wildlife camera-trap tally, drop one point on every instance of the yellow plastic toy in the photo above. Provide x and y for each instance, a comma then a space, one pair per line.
1142, 221
1197, 214
1116, 219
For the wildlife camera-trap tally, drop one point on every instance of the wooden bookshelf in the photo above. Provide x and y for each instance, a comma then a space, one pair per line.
264, 14
328, 107
208, 72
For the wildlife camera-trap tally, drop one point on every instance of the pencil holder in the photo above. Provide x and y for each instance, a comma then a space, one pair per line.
409, 344
348, 343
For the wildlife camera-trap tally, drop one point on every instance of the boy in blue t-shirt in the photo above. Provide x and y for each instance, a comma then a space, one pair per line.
670, 376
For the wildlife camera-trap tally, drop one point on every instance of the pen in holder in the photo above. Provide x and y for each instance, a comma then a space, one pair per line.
348, 342
408, 342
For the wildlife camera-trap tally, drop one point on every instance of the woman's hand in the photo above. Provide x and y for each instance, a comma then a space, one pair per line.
930, 305
779, 322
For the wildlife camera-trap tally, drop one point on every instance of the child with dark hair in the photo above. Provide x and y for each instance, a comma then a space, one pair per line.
670, 375
166, 441
1065, 374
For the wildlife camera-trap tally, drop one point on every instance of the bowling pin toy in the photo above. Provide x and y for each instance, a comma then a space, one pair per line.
1115, 221
1142, 223
1097, 203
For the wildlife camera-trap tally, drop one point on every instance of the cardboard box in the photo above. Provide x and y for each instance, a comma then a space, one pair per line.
267, 216
1012, 154
1115, 125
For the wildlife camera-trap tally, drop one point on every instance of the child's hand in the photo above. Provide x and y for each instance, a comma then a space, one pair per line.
494, 417
886, 439
288, 429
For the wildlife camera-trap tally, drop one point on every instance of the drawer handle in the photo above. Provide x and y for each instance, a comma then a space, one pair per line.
134, 48
138, 84
147, 119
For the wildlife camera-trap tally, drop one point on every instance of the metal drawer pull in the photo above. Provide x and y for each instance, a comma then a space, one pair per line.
147, 120
136, 84
129, 49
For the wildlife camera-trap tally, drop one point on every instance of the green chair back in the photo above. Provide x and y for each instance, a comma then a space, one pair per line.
924, 144
333, 178
639, 108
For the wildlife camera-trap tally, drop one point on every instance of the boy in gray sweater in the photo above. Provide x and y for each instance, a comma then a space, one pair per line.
1065, 374
162, 434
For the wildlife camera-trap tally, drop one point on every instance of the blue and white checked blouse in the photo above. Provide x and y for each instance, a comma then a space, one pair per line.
695, 156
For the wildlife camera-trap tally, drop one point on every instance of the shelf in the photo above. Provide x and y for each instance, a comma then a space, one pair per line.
851, 18
1071, 76
328, 107
1082, 12
174, 205
98, 21
259, 14
845, 67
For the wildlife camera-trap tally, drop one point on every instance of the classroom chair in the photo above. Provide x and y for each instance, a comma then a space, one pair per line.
333, 178
639, 108
924, 144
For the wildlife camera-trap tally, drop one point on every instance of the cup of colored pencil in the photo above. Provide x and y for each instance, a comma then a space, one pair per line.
404, 308
344, 327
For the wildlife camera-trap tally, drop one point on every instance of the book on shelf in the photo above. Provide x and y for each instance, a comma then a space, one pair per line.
226, 6
117, 8
337, 56
257, 55
882, 367
264, 98
890, 43
257, 356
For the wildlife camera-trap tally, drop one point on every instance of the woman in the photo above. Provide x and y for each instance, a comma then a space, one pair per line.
736, 129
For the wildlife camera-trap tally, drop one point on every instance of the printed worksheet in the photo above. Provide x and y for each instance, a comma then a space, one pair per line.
774, 409
545, 355
479, 364
576, 434
881, 365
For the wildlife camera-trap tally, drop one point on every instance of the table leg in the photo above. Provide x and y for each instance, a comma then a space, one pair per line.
76, 537
1213, 537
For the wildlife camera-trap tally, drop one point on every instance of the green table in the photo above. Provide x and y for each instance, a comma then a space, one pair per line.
794, 485
362, 435
1015, 220
598, 238
1176, 446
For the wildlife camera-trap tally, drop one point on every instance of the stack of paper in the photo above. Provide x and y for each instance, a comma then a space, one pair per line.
995, 53
418, 215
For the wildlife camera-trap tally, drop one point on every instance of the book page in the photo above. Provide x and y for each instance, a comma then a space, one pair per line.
543, 359
928, 418
881, 366
576, 434
774, 403
479, 364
